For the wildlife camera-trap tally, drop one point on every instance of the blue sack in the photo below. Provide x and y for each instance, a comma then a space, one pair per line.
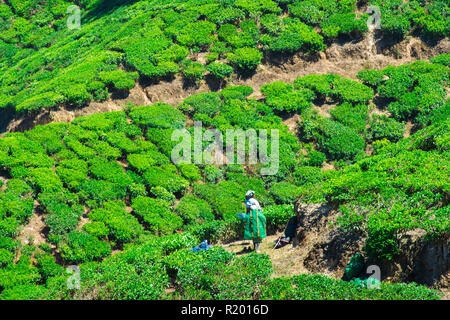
241, 215
202, 247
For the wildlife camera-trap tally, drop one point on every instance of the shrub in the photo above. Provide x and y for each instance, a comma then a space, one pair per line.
159, 115
371, 77
190, 172
119, 79
343, 23
101, 190
284, 192
81, 247
293, 37
245, 59
194, 210
340, 142
156, 213
277, 216
97, 229
163, 194
395, 25
110, 171
382, 243
353, 116
121, 225
442, 59
156, 176
307, 11
197, 34
319, 287
321, 84
194, 71
208, 103
282, 97
212, 173
386, 128
347, 90
47, 266
220, 70
130, 275
316, 158
236, 92
6, 257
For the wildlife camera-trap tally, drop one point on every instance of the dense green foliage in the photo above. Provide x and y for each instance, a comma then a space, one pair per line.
45, 64
114, 204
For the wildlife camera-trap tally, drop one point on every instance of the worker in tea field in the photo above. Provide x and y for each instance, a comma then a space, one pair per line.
255, 221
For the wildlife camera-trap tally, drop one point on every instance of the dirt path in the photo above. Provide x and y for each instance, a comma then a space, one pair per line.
33, 232
286, 261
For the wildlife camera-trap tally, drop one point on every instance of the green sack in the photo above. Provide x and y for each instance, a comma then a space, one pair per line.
369, 283
255, 226
355, 267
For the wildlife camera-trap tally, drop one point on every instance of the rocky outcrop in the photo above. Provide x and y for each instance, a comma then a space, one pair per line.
329, 249
420, 260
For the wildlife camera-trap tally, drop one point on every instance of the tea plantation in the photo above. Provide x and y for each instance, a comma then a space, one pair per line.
115, 205
44, 63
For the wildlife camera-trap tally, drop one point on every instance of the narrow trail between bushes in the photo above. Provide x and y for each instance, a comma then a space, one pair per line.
342, 58
286, 261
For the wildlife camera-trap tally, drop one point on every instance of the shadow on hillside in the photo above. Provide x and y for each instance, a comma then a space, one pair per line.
6, 115
103, 7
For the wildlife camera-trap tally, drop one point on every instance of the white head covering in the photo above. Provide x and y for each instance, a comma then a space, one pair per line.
249, 194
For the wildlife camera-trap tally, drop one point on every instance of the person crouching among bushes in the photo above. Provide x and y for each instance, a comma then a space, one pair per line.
255, 222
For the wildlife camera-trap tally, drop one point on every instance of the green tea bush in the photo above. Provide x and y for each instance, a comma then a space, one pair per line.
245, 59
130, 275
340, 142
157, 214
386, 128
194, 71
353, 116
194, 210
319, 287
190, 172
102, 190
304, 175
47, 266
206, 103
277, 216
119, 79
284, 192
371, 77
80, 247
120, 225
236, 92
282, 97
159, 115
220, 70
442, 59
6, 257
344, 23
157, 176
163, 194
212, 174
294, 36
316, 158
